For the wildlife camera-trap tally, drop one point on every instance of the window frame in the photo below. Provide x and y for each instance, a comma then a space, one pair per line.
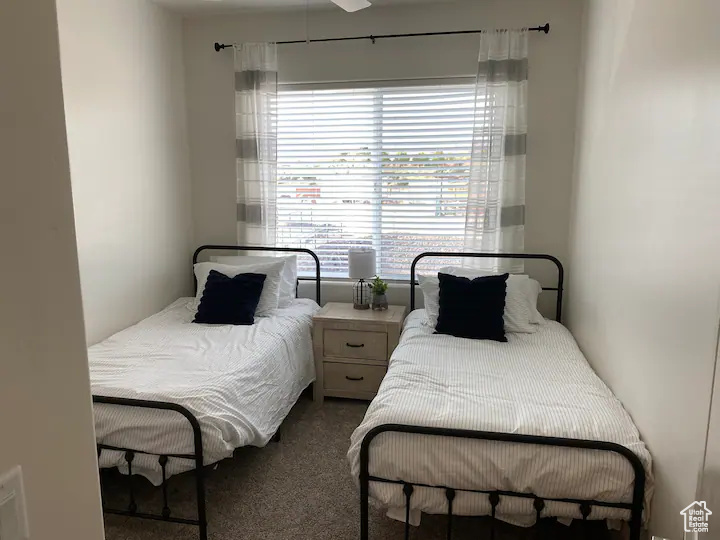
371, 84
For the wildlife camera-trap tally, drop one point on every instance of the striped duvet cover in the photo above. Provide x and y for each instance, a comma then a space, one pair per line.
239, 381
536, 384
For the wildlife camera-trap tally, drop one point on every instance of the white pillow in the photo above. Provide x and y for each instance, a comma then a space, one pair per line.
430, 287
271, 287
288, 284
521, 314
533, 291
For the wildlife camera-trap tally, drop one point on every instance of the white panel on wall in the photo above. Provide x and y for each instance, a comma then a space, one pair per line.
46, 421
645, 265
123, 79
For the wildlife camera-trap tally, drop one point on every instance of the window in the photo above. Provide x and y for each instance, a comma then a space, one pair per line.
385, 167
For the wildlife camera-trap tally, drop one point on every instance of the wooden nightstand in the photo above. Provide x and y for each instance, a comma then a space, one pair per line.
352, 348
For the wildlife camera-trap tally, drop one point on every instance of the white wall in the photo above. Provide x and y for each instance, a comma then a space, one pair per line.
124, 96
552, 96
46, 423
645, 281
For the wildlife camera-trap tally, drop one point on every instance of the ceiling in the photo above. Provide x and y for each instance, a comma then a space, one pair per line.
209, 6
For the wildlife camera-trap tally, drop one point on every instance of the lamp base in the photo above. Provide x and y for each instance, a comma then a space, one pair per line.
361, 295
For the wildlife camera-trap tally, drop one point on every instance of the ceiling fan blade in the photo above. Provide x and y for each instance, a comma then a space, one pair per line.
352, 5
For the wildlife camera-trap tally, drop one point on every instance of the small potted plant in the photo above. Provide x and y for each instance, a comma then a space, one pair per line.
379, 288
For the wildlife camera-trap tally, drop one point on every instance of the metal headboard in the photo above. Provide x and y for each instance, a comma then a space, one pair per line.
264, 248
558, 289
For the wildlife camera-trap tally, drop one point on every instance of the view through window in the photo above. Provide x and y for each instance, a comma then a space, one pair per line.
385, 167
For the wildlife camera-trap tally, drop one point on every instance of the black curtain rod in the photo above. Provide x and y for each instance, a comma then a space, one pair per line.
544, 28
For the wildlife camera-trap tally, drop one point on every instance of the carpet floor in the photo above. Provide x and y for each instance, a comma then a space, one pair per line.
299, 487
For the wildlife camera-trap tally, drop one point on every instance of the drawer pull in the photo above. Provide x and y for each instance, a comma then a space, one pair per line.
354, 346
349, 378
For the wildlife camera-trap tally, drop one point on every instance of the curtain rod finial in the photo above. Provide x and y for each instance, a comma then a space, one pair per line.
219, 47
546, 28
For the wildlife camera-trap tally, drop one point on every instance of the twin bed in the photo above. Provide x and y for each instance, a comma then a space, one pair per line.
518, 430
239, 381
172, 396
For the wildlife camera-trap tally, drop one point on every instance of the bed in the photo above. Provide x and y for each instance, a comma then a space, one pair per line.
172, 396
529, 432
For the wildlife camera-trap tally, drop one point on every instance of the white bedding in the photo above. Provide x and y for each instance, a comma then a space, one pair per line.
536, 384
239, 381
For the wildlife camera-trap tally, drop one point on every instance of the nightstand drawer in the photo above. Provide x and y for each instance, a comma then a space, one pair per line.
352, 378
351, 349
355, 344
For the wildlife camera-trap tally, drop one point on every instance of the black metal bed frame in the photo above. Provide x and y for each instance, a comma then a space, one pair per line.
495, 497
264, 248
525, 256
197, 455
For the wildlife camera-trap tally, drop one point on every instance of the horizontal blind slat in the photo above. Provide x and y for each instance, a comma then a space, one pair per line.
384, 167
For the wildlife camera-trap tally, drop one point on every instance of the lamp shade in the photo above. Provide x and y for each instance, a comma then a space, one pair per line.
361, 263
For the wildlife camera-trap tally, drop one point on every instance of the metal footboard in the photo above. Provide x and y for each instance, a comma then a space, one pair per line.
495, 497
129, 455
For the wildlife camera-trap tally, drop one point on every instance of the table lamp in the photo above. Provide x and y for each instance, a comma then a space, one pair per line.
361, 265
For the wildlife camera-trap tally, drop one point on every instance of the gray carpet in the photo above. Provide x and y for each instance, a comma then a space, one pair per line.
297, 488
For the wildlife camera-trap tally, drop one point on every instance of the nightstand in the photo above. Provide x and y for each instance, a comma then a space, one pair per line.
352, 348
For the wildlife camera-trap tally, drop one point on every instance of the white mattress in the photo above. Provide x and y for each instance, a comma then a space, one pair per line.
239, 381
536, 384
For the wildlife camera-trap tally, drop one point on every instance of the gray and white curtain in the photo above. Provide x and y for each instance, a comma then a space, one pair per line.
256, 141
495, 217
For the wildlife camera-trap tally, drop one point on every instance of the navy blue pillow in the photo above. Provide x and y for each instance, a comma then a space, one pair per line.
228, 300
472, 308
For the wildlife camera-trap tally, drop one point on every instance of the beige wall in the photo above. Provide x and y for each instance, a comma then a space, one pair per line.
46, 422
645, 281
553, 84
124, 97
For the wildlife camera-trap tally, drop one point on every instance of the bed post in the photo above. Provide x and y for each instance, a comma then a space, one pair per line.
199, 479
364, 490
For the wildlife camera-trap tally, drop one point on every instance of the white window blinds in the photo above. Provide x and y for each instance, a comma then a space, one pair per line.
385, 167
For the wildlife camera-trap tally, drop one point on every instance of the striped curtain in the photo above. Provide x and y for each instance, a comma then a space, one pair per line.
256, 142
495, 216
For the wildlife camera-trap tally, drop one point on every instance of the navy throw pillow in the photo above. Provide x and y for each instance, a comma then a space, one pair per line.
228, 300
472, 308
